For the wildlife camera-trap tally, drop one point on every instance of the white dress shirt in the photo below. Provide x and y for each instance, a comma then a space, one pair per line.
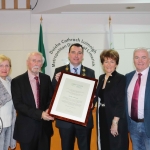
72, 70
142, 89
33, 85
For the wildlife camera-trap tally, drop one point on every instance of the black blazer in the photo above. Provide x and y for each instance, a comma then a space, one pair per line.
114, 97
63, 124
28, 116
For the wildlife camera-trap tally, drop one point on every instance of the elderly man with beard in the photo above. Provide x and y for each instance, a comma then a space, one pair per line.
31, 93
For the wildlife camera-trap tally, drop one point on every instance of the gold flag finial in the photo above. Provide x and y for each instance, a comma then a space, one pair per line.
41, 19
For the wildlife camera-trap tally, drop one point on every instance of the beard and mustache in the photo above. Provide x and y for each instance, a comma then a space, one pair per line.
36, 69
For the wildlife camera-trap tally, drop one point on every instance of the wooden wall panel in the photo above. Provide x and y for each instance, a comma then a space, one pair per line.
3, 4
27, 4
15, 4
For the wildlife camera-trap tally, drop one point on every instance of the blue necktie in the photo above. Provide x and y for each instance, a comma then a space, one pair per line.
75, 70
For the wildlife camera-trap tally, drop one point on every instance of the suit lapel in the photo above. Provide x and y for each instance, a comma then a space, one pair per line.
147, 91
81, 69
29, 89
128, 79
101, 79
41, 86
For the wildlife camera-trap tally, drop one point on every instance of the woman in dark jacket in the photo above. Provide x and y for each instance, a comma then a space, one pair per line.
112, 123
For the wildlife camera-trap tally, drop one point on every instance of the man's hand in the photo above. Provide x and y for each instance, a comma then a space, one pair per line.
57, 76
46, 116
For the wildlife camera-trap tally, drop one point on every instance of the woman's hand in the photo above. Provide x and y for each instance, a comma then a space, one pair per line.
114, 129
114, 126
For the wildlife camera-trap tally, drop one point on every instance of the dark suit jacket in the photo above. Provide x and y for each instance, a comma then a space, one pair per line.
129, 77
63, 124
114, 97
28, 116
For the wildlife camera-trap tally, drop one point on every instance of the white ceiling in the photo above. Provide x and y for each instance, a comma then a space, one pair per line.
89, 6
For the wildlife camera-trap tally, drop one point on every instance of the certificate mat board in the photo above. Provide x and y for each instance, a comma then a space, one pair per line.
73, 97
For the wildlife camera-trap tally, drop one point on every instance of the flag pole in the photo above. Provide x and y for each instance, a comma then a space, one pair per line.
109, 21
41, 47
111, 43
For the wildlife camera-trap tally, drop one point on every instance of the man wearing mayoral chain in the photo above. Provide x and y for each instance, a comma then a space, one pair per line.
67, 130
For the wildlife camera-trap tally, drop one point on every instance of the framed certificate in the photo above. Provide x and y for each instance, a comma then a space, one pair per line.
73, 97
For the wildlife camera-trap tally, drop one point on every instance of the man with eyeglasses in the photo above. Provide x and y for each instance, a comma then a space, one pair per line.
68, 131
138, 100
31, 94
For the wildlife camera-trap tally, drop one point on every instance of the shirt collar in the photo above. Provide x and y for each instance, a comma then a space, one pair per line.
2, 80
71, 66
144, 71
31, 76
112, 75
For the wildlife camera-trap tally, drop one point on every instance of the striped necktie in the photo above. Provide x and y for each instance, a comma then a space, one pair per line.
75, 70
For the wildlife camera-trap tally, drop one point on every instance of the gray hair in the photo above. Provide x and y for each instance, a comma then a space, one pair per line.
142, 49
38, 53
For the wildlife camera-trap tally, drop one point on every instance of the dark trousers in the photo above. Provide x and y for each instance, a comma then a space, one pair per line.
68, 138
40, 141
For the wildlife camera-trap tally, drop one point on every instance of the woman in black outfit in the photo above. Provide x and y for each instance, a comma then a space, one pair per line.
111, 113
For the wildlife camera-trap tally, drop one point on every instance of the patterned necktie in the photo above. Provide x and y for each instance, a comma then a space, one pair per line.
38, 92
75, 70
134, 105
